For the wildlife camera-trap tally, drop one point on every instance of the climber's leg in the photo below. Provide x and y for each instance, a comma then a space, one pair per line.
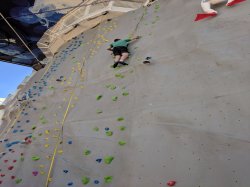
117, 59
123, 58
206, 6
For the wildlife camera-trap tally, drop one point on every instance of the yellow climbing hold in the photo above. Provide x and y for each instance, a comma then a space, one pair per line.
60, 151
46, 145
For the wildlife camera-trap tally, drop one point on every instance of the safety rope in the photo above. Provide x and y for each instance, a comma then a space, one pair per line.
19, 37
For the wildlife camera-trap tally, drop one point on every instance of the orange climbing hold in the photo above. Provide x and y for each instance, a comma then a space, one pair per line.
204, 15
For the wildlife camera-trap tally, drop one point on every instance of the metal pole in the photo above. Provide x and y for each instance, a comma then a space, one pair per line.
19, 37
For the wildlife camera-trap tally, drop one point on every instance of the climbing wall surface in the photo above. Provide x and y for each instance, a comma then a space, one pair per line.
184, 117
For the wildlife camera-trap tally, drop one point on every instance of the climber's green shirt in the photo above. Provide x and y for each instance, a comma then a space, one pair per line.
121, 43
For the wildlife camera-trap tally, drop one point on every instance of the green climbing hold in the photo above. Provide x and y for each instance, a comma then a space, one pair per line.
99, 111
86, 152
119, 76
115, 98
122, 143
96, 129
40, 134
85, 180
122, 128
108, 159
120, 119
35, 158
109, 133
98, 97
33, 127
51, 87
22, 158
125, 93
112, 87
108, 179
18, 181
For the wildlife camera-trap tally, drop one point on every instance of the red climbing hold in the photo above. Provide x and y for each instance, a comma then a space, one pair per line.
171, 183
10, 168
14, 161
203, 16
1, 182
2, 175
13, 177
5, 161
235, 2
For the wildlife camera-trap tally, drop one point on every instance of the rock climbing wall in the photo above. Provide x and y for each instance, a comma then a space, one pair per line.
183, 118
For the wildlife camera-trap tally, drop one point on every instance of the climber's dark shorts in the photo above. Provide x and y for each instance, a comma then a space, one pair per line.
120, 50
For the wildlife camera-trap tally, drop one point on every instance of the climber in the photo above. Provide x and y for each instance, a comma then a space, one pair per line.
120, 50
206, 4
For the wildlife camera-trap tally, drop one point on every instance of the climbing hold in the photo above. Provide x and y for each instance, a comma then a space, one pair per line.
106, 129
119, 76
22, 159
171, 183
41, 166
18, 181
125, 93
108, 159
96, 129
99, 160
85, 180
47, 131
96, 182
34, 127
122, 143
2, 175
98, 97
14, 161
70, 183
35, 173
109, 133
99, 111
70, 142
86, 152
108, 179
115, 98
46, 145
120, 119
15, 131
122, 128
10, 167
65, 171
60, 151
35, 158
12, 177
5, 161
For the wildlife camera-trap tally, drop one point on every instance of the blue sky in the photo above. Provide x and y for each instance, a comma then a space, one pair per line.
11, 76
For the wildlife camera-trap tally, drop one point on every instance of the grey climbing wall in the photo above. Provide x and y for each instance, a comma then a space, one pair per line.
183, 118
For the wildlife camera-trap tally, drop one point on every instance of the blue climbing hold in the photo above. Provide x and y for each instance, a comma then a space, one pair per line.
96, 182
69, 142
21, 130
70, 184
106, 129
15, 131
65, 171
99, 160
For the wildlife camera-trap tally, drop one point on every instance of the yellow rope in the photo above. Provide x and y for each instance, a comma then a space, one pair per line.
60, 137
58, 142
